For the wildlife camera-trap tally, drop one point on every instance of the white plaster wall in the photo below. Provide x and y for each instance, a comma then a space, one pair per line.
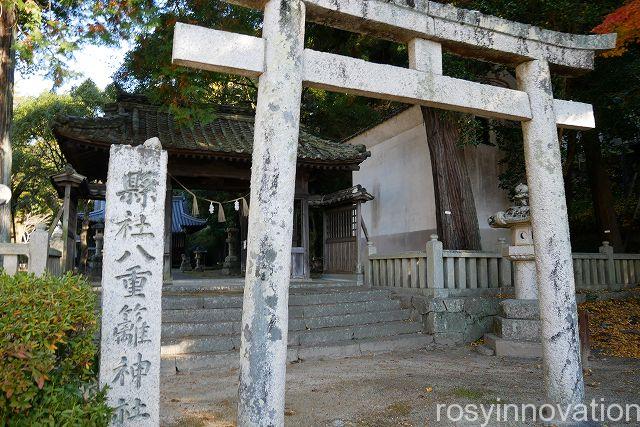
398, 174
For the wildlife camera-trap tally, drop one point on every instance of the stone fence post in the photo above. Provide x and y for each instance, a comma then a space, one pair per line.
610, 269
39, 250
435, 274
368, 275
504, 264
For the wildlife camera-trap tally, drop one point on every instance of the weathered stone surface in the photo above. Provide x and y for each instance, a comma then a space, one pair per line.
471, 316
549, 218
469, 32
453, 305
520, 309
445, 322
517, 218
506, 348
518, 329
200, 47
263, 352
340, 73
132, 282
477, 327
435, 304
481, 306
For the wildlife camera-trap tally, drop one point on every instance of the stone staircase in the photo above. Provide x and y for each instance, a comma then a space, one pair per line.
201, 327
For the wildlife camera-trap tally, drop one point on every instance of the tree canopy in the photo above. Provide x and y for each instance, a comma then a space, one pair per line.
36, 155
625, 21
49, 32
612, 88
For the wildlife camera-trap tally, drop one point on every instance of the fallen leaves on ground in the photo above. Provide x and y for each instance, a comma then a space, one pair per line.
614, 327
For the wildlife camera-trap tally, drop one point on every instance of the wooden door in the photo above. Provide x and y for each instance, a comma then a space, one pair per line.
340, 251
300, 240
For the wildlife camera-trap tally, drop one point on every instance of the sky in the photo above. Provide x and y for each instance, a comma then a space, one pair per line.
95, 62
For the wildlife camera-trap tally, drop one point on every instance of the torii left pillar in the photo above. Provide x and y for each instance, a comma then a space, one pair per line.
263, 350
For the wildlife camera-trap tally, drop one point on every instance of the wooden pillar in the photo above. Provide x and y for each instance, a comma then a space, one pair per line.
168, 215
305, 236
325, 246
68, 184
84, 242
359, 264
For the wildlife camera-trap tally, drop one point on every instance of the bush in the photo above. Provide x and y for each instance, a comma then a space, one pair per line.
48, 362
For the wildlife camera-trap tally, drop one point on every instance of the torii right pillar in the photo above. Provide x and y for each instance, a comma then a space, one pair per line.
554, 266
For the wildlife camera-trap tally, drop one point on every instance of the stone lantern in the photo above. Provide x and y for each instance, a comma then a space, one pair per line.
231, 264
520, 252
517, 328
68, 184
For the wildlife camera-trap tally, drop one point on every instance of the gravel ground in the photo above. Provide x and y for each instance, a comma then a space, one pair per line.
397, 389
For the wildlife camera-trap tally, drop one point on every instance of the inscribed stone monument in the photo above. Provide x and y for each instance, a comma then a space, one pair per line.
132, 282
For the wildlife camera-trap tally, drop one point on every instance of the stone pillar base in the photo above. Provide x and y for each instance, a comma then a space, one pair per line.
516, 330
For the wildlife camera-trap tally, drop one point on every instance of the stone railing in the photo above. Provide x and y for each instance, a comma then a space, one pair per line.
627, 269
591, 271
606, 270
405, 270
36, 251
438, 271
475, 270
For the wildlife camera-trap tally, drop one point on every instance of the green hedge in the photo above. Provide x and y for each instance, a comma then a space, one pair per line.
48, 357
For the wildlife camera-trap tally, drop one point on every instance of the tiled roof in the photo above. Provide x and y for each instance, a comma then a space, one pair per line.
228, 135
354, 194
181, 221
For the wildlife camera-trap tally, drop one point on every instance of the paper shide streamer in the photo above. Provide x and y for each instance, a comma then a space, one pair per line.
240, 202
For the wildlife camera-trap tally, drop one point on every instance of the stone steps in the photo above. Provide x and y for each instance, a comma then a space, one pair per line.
212, 343
209, 299
203, 315
335, 350
201, 327
177, 329
520, 349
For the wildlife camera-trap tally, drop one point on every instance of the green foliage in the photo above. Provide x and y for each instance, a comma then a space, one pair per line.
47, 352
189, 93
50, 31
185, 91
36, 155
612, 88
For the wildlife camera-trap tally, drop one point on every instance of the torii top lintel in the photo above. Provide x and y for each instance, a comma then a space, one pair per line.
467, 32
479, 35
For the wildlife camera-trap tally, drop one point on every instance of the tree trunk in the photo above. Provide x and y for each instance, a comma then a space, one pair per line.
7, 67
455, 207
601, 193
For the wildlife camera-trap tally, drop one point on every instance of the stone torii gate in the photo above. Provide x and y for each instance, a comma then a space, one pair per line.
283, 66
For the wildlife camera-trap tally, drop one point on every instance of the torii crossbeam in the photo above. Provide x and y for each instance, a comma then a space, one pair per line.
283, 66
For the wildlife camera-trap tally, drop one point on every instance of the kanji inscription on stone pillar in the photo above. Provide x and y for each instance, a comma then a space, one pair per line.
132, 282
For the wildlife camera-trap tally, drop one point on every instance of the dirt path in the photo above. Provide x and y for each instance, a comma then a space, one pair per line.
387, 390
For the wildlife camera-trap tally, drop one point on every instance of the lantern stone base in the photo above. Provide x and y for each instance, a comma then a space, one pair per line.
231, 266
516, 330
